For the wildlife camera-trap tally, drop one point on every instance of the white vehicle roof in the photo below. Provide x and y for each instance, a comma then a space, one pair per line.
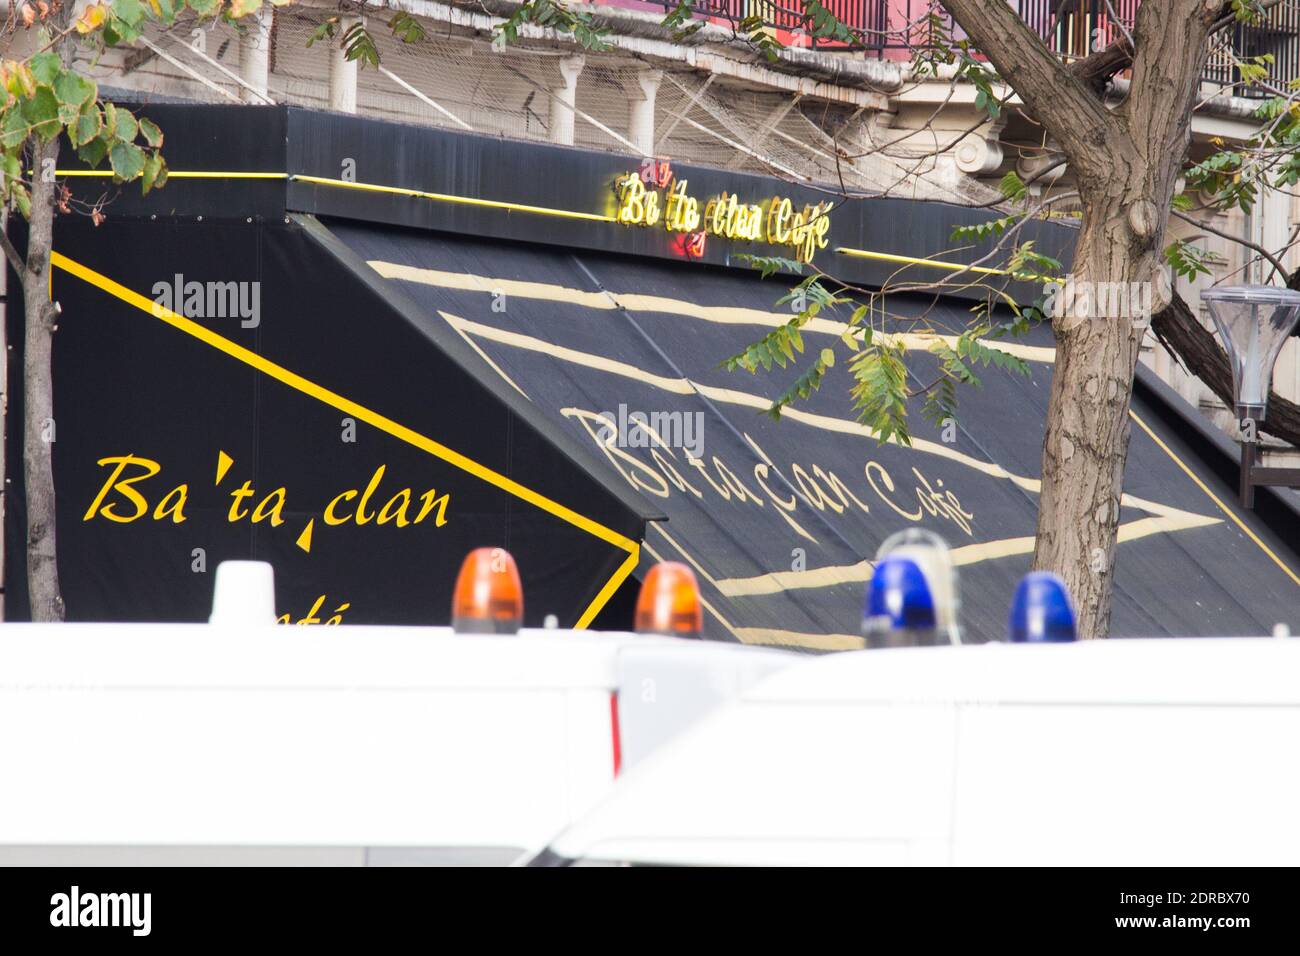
371, 737
1101, 752
270, 655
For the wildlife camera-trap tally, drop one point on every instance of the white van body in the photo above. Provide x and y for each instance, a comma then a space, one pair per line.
1121, 752
339, 745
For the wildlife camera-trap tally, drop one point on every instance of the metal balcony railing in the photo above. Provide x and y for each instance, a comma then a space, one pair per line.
1076, 28
1072, 28
867, 18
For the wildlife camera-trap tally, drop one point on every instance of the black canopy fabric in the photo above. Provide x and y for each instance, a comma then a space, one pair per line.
391, 367
355, 448
779, 519
427, 383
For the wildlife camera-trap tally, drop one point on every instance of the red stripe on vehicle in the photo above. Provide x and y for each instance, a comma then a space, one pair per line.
613, 726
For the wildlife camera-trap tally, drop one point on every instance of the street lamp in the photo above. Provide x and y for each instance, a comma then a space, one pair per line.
1254, 322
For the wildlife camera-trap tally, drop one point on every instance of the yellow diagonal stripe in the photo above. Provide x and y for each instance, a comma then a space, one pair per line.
1215, 498
387, 425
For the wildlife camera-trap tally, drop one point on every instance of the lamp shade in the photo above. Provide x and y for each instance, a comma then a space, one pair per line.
1254, 322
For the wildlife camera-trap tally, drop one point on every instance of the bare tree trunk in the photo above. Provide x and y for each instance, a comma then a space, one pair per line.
1085, 446
39, 431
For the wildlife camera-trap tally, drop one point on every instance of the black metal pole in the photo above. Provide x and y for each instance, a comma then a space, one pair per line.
1247, 467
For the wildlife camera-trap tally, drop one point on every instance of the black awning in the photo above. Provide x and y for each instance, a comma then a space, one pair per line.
225, 390
485, 370
779, 518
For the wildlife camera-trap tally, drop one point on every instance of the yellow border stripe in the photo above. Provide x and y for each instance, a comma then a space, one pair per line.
939, 264
171, 174
446, 197
524, 207
612, 585
366, 187
1213, 497
384, 424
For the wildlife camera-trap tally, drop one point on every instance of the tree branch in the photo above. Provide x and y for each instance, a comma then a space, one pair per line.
1179, 331
1096, 69
15, 260
1171, 43
1254, 246
1069, 110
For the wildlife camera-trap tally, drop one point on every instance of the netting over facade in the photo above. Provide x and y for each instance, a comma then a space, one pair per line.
699, 117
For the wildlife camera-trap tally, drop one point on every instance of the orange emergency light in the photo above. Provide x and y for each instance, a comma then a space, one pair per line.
669, 602
489, 598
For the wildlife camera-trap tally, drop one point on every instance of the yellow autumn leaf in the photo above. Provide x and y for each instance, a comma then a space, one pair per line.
24, 81
242, 8
91, 19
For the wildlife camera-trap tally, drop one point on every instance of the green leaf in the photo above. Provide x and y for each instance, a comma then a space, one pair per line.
127, 160
74, 90
828, 357
46, 68
1189, 260
406, 28
42, 114
1012, 186
879, 391
129, 12
205, 8
359, 46
770, 265
15, 128
151, 133
87, 127
984, 230
127, 127
153, 167
93, 151
110, 120
23, 200
940, 404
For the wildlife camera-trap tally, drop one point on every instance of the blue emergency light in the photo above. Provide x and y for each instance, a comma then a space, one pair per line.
900, 593
1041, 610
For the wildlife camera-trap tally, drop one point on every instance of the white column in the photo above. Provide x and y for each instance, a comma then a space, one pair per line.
255, 55
1031, 165
641, 91
563, 99
980, 153
343, 72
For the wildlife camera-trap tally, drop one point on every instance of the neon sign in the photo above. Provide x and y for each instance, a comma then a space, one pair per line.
648, 200
656, 172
